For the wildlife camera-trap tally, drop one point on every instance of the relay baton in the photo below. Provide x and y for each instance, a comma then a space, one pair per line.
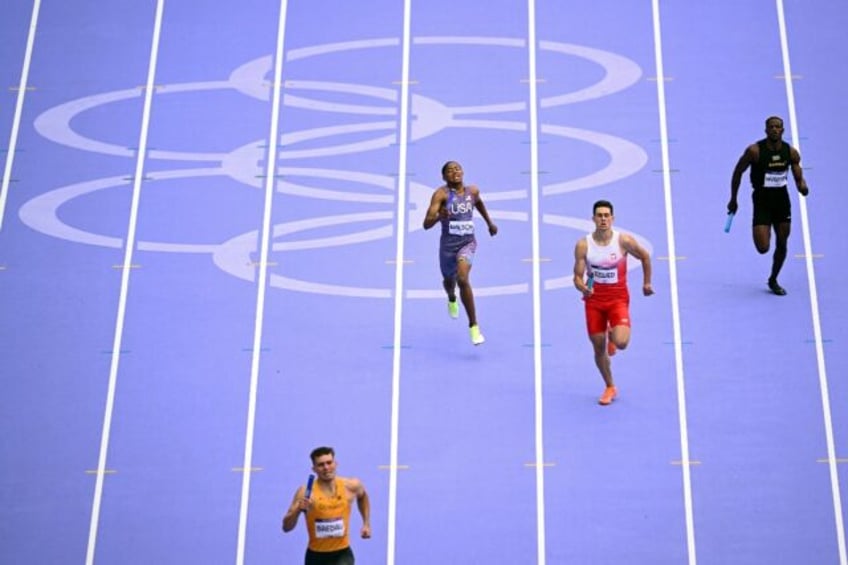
309, 482
729, 221
590, 281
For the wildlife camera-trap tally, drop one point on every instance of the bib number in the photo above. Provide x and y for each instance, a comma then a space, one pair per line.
775, 179
331, 528
457, 227
605, 276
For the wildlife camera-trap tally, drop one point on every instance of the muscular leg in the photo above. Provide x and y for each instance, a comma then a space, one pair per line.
602, 360
450, 287
620, 336
762, 238
781, 233
463, 271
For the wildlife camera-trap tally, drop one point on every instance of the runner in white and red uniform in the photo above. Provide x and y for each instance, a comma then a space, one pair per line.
600, 274
607, 266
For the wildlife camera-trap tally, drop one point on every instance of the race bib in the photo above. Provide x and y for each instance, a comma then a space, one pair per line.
605, 276
775, 179
461, 227
329, 528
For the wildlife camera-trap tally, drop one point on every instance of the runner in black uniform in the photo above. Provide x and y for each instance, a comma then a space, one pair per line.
770, 160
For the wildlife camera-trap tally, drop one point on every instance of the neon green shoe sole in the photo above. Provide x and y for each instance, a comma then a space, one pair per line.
453, 309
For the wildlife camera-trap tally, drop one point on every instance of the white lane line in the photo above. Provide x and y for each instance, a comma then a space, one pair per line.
262, 279
675, 306
19, 108
533, 106
125, 283
814, 300
401, 213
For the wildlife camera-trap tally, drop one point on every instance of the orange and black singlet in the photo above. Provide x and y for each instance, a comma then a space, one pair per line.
328, 520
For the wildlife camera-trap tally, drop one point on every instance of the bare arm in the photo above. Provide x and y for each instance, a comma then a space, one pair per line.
299, 504
632, 246
478, 203
437, 203
798, 172
580, 267
363, 504
751, 154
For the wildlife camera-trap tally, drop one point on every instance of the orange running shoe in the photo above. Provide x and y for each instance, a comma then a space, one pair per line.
608, 396
610, 345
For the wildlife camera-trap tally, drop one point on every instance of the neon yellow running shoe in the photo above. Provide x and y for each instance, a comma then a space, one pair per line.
476, 337
453, 309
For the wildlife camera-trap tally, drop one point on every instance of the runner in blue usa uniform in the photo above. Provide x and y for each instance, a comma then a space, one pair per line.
453, 206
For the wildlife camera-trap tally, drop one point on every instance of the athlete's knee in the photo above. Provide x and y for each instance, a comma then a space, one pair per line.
621, 339
762, 245
762, 238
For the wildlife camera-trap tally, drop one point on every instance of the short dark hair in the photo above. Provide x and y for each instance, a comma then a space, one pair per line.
601, 204
320, 451
770, 118
446, 165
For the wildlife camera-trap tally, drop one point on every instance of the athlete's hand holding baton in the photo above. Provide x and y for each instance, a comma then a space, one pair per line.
732, 206
304, 503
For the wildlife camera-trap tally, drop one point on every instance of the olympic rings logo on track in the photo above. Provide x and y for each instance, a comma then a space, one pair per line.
243, 163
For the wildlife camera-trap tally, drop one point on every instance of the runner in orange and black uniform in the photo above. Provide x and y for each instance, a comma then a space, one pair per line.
600, 274
770, 160
327, 512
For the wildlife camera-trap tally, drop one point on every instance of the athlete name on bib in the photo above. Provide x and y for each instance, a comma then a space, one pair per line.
461, 227
605, 276
330, 528
775, 179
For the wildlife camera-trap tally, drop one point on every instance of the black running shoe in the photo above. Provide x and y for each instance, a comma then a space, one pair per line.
776, 288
